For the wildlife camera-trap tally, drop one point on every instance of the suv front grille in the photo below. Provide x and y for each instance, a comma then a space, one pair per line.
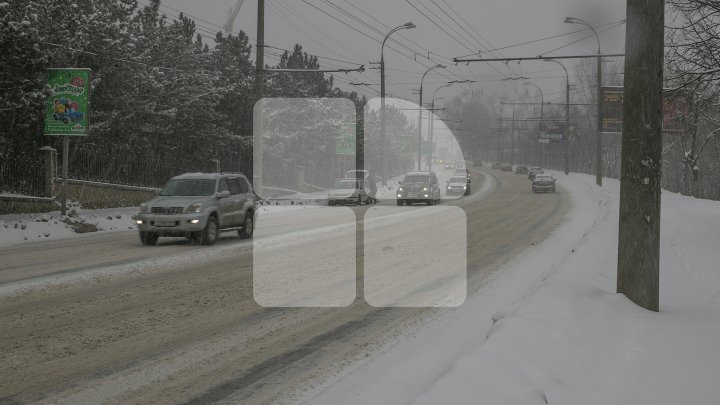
166, 210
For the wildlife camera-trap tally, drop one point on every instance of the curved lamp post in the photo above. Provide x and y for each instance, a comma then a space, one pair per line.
420, 111
542, 111
567, 115
431, 123
405, 26
598, 151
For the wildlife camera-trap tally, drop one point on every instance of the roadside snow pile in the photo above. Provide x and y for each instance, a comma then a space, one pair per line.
21, 228
575, 341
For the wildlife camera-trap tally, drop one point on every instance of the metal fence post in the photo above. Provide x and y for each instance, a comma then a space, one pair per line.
49, 175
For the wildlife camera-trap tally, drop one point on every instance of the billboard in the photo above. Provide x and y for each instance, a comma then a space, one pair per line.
66, 111
675, 109
345, 143
553, 132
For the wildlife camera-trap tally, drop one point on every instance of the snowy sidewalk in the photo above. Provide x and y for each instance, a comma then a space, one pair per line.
551, 329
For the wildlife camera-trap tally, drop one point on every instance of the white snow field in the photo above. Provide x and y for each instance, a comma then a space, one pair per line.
551, 329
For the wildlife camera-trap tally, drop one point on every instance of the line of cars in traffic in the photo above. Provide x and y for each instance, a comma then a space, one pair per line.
415, 187
541, 182
200, 206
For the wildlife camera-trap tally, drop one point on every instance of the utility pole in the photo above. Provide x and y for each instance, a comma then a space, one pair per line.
639, 232
512, 138
258, 124
567, 116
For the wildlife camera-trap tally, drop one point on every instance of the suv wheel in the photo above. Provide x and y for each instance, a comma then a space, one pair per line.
148, 238
248, 227
210, 234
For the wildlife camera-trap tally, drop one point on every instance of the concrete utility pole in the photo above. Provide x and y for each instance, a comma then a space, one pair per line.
258, 127
567, 115
639, 235
512, 137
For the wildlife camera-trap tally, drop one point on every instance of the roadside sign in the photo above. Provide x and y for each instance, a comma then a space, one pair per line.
66, 111
345, 143
553, 132
675, 109
408, 144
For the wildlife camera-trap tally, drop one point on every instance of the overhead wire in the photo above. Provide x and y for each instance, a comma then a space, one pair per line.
363, 33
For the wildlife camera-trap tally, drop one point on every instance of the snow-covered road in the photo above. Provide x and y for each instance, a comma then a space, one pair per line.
101, 318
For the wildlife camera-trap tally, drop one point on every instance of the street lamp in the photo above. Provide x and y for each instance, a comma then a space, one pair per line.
438, 66
567, 115
405, 26
598, 151
430, 125
542, 112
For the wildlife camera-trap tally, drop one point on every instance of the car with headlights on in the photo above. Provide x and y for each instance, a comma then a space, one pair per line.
543, 183
418, 187
199, 206
348, 192
457, 185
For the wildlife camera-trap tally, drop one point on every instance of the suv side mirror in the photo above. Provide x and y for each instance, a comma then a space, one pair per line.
223, 194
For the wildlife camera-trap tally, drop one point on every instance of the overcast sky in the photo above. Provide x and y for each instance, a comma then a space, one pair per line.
487, 25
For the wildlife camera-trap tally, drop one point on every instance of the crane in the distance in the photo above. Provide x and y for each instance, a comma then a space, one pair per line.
232, 15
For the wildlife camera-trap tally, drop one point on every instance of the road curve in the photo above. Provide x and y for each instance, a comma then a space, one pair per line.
104, 319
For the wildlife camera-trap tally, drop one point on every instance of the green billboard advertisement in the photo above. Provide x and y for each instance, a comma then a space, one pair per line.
345, 142
66, 112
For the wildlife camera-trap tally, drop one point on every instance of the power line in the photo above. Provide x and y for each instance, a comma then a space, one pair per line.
366, 34
206, 30
446, 32
584, 38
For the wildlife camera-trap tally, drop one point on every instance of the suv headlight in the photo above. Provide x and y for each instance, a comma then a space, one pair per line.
400, 189
426, 189
196, 207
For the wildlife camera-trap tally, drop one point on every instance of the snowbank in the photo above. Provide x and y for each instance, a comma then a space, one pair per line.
574, 340
551, 329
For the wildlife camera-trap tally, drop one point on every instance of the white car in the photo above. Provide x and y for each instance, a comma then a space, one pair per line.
357, 174
534, 171
348, 192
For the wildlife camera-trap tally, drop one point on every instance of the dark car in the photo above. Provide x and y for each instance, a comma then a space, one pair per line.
506, 167
543, 183
521, 170
418, 187
457, 185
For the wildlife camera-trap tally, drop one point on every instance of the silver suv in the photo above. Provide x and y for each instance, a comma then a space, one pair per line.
199, 206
